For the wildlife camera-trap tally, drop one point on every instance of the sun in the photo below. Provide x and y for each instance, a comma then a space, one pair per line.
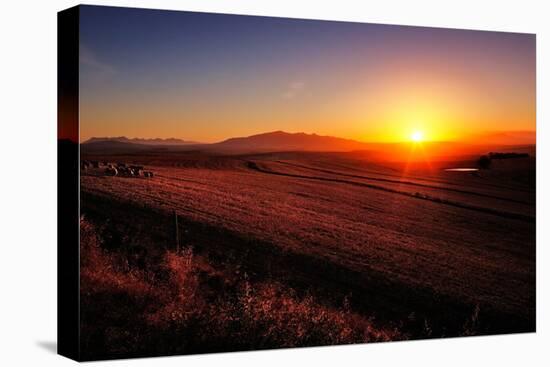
417, 136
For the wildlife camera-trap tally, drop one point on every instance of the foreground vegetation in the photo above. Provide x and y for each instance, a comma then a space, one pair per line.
133, 307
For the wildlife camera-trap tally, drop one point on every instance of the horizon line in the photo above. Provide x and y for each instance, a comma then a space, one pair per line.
198, 142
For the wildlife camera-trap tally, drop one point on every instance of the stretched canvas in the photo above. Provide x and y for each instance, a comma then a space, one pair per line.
232, 183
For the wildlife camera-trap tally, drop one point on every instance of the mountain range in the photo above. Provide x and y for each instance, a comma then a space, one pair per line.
280, 141
283, 141
266, 142
155, 141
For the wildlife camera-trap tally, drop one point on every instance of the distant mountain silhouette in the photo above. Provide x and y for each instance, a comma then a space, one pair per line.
155, 141
283, 141
112, 147
280, 141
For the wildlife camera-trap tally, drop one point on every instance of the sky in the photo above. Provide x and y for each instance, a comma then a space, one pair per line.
208, 77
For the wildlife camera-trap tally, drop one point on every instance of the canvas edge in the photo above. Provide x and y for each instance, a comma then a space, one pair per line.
68, 223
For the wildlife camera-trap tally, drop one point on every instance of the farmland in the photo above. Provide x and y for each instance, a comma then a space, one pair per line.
414, 250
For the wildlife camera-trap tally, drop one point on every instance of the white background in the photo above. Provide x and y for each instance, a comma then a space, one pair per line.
28, 181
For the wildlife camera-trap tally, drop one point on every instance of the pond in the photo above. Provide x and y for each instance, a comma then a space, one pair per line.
462, 169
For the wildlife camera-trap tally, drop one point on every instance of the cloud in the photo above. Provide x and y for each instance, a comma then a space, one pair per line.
293, 89
93, 64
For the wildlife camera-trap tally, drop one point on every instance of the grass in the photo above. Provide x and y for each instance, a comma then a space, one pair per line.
185, 306
474, 256
277, 260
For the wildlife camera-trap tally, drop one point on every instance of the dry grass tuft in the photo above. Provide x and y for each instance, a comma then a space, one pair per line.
185, 308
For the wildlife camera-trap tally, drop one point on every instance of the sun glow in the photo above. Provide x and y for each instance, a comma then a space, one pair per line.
417, 136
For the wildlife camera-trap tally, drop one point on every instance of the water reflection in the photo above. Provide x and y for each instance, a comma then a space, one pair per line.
462, 169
